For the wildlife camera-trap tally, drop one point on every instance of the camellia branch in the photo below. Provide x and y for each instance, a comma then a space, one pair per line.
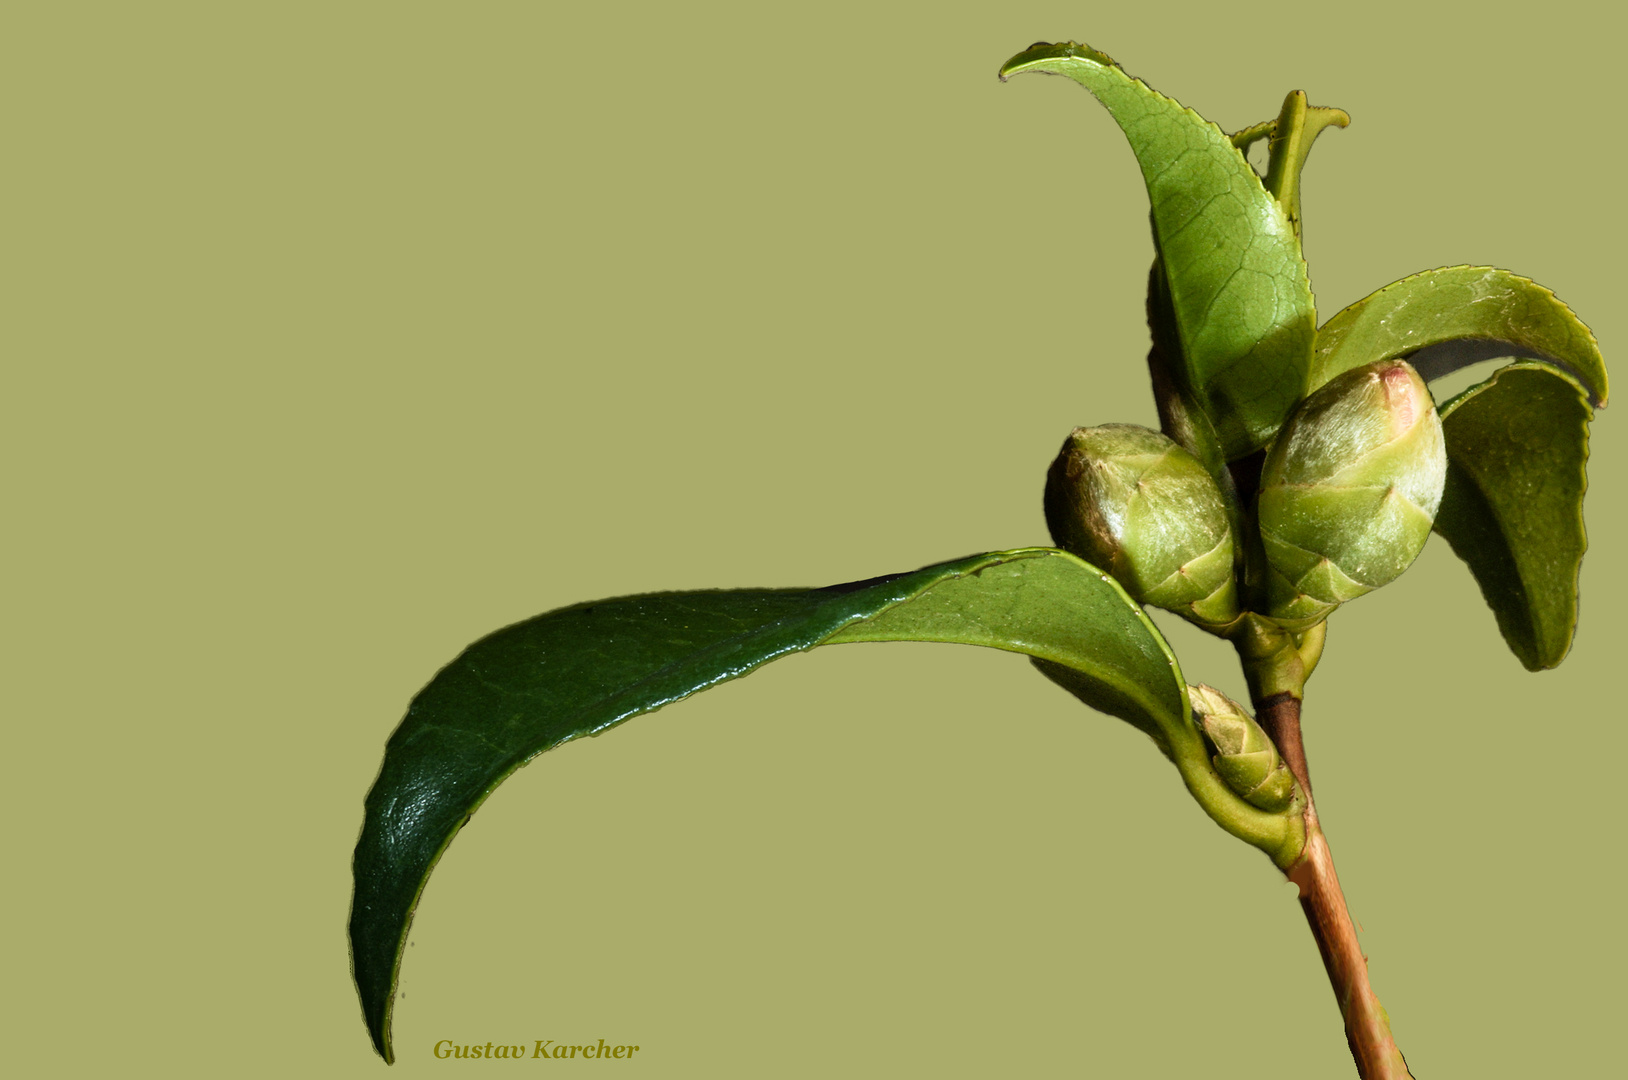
1298, 468
1367, 1026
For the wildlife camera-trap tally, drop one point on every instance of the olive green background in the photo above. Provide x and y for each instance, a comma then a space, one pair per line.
339, 335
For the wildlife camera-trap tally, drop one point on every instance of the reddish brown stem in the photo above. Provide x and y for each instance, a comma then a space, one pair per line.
1280, 716
1367, 1028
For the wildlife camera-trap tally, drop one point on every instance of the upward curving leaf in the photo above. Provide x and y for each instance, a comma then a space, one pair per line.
1513, 505
581, 670
1237, 282
1444, 320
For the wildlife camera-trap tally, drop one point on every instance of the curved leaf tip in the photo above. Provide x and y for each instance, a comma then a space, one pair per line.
1031, 58
1445, 319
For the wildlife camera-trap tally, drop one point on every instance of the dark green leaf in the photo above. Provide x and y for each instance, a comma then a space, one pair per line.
581, 670
1513, 505
1237, 283
1443, 320
1180, 417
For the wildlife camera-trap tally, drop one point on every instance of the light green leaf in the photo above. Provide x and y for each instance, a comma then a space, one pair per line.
1056, 608
1237, 282
1443, 320
581, 670
1513, 506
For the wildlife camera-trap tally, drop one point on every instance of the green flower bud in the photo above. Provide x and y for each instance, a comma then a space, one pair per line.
1132, 502
1349, 490
1245, 756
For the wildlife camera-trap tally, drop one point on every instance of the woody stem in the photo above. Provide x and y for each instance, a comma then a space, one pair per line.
1367, 1027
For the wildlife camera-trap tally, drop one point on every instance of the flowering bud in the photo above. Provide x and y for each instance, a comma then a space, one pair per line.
1135, 504
1349, 490
1245, 757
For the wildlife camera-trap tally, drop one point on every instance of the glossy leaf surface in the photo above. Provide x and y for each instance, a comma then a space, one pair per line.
1444, 320
1513, 505
1237, 282
580, 670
